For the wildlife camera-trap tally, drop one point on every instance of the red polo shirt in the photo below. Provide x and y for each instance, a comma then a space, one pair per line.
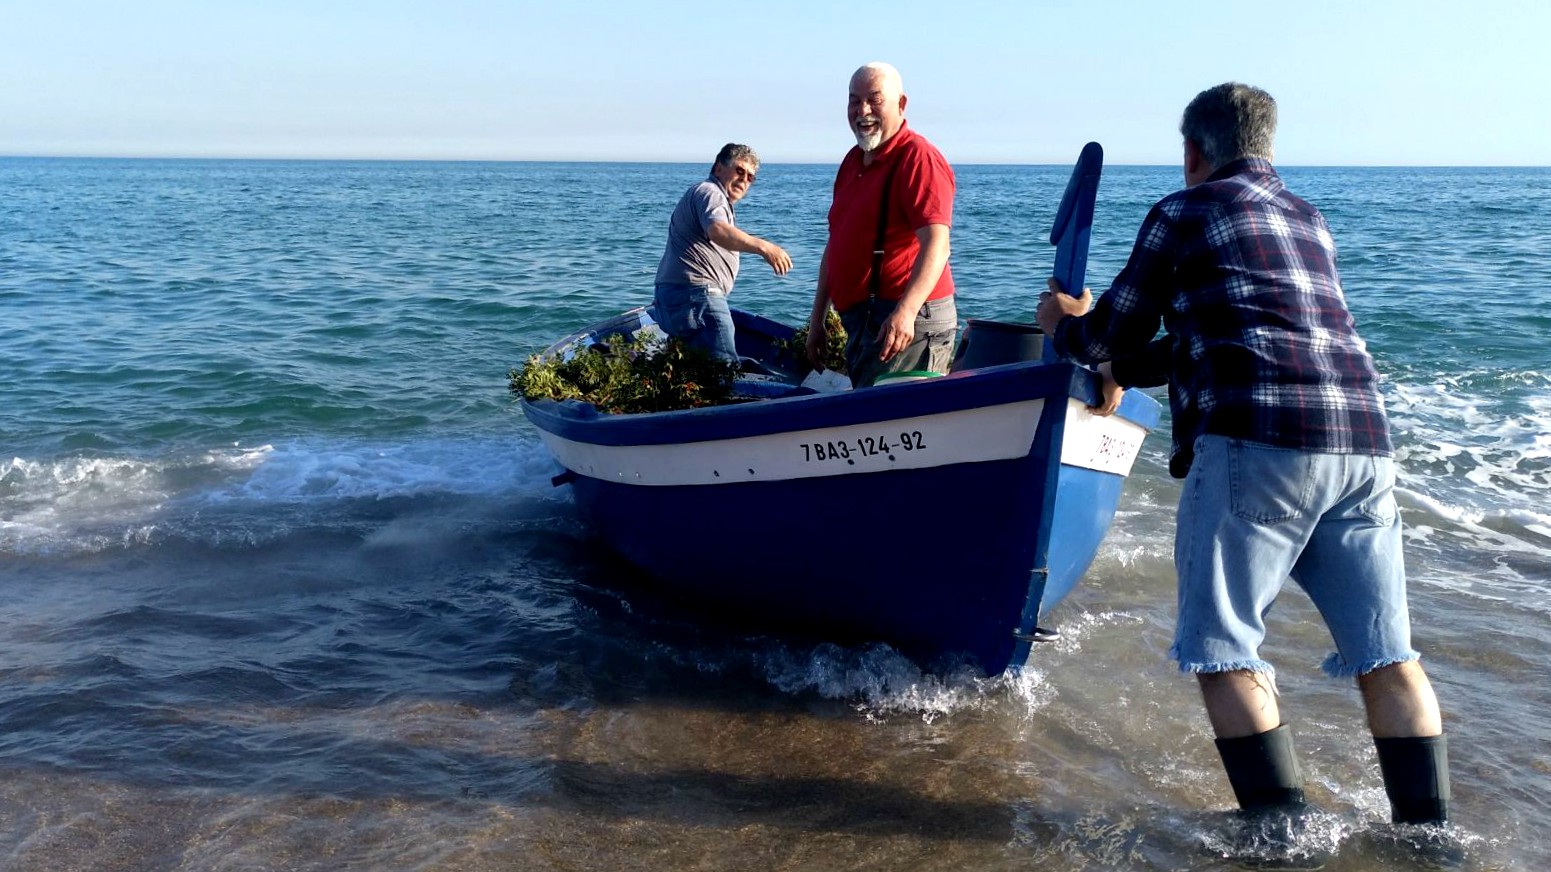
921, 193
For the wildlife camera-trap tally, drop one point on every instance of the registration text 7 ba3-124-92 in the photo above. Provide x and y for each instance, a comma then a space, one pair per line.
862, 446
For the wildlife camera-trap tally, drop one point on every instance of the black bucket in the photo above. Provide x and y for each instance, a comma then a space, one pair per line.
990, 343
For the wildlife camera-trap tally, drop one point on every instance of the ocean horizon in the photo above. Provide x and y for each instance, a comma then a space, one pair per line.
710, 156
285, 584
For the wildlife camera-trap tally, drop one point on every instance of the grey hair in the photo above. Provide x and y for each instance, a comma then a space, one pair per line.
733, 151
886, 71
1229, 122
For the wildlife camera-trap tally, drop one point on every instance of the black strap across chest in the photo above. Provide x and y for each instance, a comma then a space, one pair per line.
883, 226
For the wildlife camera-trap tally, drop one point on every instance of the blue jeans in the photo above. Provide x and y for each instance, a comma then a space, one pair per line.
936, 326
699, 316
1250, 517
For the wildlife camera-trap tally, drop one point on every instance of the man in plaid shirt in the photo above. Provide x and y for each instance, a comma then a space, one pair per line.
1281, 437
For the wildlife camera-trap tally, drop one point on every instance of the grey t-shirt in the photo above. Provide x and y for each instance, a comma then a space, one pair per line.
690, 257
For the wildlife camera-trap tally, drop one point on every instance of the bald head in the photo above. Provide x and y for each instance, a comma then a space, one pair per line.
875, 108
884, 74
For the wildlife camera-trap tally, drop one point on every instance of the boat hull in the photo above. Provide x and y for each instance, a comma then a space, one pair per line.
942, 517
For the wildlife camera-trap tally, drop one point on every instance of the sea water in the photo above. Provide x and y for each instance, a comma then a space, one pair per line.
284, 583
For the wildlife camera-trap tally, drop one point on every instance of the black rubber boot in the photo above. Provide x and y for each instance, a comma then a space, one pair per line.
1416, 777
1275, 821
1263, 769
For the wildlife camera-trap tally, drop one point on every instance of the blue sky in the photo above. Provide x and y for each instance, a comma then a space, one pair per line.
1365, 82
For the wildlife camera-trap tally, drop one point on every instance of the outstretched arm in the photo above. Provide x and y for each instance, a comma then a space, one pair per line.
731, 238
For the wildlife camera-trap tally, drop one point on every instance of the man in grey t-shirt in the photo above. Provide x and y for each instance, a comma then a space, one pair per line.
700, 262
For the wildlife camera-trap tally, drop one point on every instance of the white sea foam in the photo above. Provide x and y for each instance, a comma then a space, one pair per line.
1538, 523
306, 472
1436, 510
880, 682
42, 499
88, 503
1474, 462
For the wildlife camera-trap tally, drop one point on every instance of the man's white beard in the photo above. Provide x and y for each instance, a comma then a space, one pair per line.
869, 141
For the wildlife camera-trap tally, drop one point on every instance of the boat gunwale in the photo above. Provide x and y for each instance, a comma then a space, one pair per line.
989, 386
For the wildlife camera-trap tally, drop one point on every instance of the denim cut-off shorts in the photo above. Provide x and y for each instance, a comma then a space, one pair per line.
698, 315
1250, 517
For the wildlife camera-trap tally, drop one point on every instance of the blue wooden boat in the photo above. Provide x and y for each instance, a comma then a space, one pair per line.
942, 516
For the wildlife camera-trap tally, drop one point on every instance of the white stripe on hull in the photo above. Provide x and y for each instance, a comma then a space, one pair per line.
1001, 432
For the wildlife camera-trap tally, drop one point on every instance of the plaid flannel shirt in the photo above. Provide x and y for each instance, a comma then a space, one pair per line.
1241, 274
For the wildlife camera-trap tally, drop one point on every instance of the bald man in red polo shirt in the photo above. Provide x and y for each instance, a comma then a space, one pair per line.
885, 268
